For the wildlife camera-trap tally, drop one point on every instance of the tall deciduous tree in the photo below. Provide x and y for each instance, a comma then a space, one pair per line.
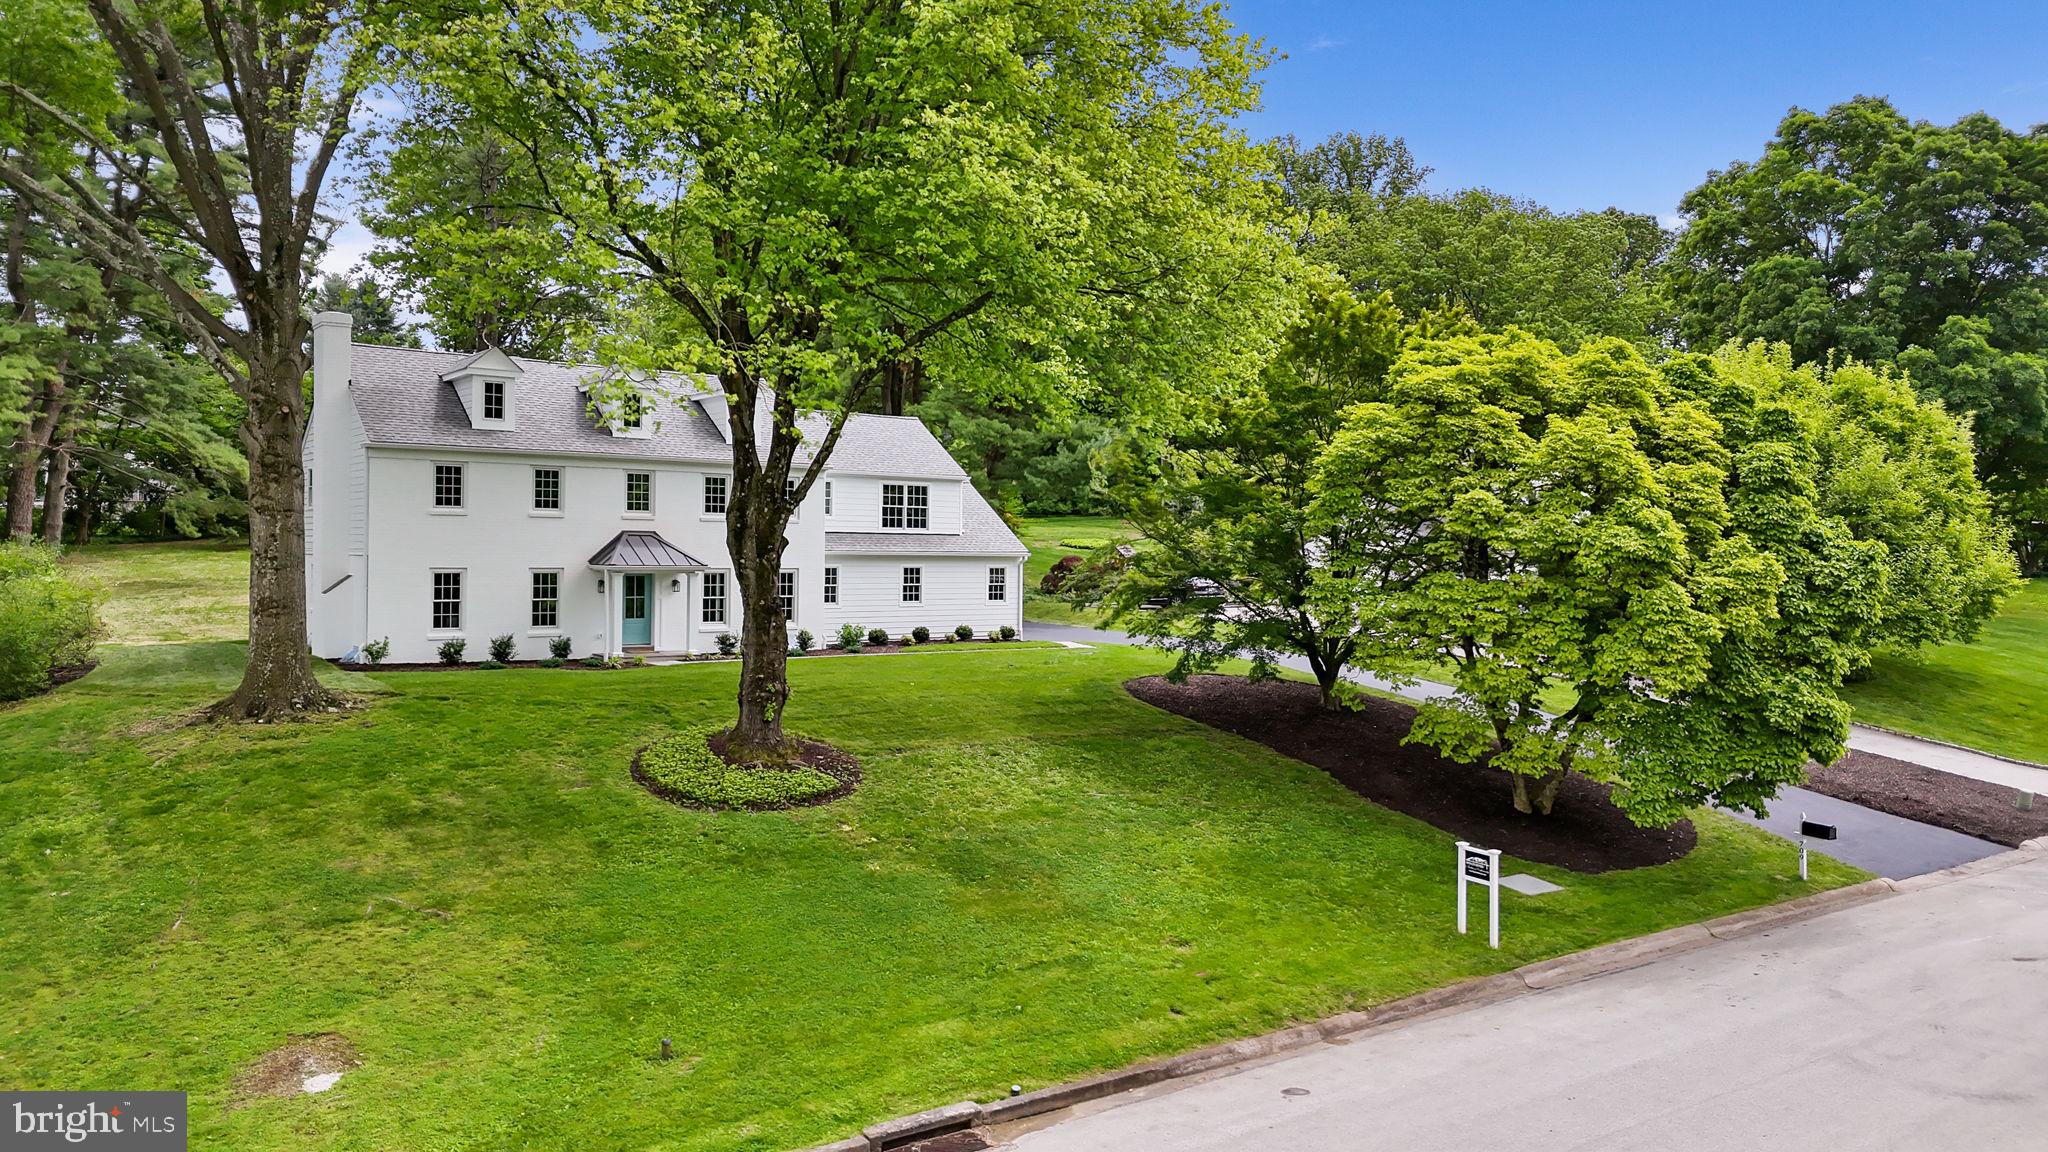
244, 106
1571, 277
821, 191
1231, 556
1696, 554
1861, 234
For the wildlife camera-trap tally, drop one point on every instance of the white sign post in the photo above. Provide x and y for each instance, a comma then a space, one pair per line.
1480, 866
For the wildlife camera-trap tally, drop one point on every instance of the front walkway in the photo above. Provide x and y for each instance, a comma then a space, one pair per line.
1874, 841
1907, 1022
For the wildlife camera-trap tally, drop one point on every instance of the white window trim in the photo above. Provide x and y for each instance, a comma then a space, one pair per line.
882, 517
724, 621
903, 583
504, 400
998, 582
704, 483
795, 593
561, 585
561, 491
626, 486
461, 604
434, 507
830, 584
828, 497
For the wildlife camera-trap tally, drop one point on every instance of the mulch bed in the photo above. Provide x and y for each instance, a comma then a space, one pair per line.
839, 765
1362, 749
576, 662
66, 673
1974, 807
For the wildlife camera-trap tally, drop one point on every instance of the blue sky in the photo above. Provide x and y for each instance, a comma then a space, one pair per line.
1587, 105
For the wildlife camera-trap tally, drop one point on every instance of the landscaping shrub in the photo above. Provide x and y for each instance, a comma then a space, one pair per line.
963, 632
804, 639
685, 766
376, 650
451, 651
502, 648
560, 647
494, 662
994, 635
878, 636
47, 621
1058, 573
1007, 632
921, 634
850, 637
728, 643
551, 661
596, 662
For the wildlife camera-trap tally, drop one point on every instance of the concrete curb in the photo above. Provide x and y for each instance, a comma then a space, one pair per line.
1949, 744
1526, 980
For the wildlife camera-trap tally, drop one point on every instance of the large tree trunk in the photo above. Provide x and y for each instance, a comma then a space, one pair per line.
278, 680
57, 492
28, 458
754, 537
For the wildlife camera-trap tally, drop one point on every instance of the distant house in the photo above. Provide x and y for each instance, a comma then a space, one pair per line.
468, 496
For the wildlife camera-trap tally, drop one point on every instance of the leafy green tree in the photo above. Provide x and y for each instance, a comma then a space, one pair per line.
816, 192
1860, 234
375, 313
1231, 556
1571, 277
456, 208
1697, 553
242, 109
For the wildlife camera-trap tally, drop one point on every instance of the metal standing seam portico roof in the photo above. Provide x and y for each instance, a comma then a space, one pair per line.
643, 550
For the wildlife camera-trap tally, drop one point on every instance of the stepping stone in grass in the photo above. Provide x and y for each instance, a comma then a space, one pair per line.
1528, 885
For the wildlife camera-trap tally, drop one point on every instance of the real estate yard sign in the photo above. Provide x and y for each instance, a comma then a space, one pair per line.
1480, 866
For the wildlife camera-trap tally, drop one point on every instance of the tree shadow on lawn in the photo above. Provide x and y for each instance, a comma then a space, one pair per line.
1362, 750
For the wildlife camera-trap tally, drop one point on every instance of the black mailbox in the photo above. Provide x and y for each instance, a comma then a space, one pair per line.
1817, 831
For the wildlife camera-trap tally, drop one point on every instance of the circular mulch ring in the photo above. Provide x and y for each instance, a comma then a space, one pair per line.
1362, 749
833, 762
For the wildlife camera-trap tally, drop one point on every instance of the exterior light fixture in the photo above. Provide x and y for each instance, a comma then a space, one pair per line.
675, 584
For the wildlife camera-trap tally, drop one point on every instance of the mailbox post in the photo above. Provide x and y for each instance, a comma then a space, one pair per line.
1480, 866
1812, 829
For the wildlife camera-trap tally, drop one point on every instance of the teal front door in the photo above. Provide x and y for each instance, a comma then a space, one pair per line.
637, 613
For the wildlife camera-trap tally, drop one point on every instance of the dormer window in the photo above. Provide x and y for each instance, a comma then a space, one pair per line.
488, 386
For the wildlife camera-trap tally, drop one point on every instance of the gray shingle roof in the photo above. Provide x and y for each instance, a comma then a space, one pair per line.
983, 534
642, 550
403, 402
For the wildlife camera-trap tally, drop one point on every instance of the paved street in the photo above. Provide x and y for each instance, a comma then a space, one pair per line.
1909, 1023
1874, 841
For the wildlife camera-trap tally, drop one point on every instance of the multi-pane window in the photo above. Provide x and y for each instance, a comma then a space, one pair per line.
447, 601
547, 599
632, 411
785, 593
714, 597
639, 492
714, 495
447, 485
831, 585
494, 399
913, 585
547, 489
998, 583
789, 489
828, 497
906, 506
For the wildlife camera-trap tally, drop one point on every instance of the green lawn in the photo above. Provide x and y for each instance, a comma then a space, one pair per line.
166, 593
1051, 537
1040, 878
1992, 694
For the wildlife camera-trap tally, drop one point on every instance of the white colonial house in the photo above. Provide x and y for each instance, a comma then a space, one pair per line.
470, 496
